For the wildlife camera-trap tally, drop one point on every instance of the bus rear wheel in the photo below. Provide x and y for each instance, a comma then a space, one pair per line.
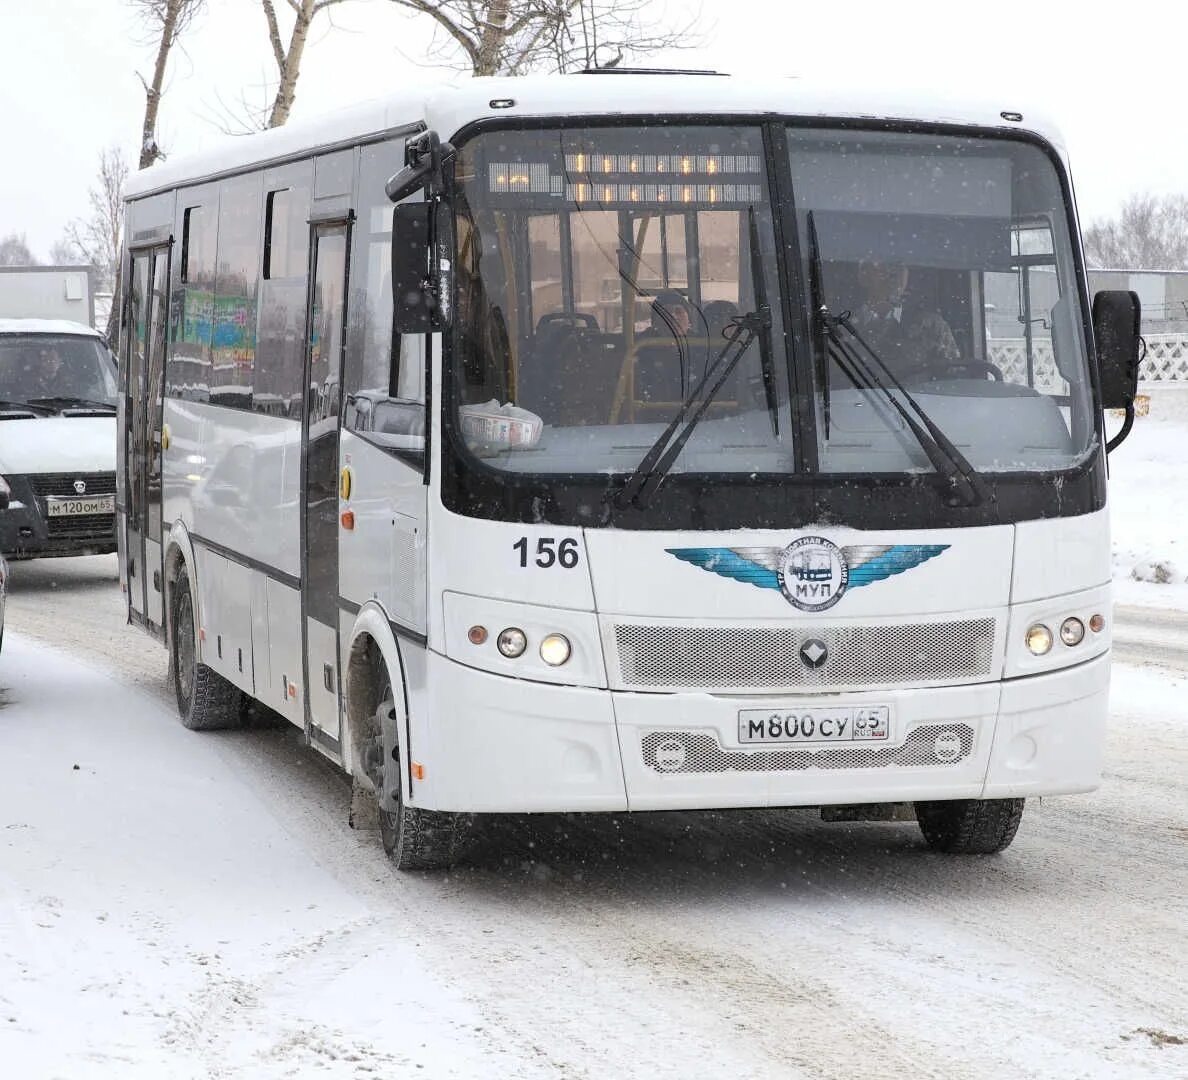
205, 700
415, 839
969, 826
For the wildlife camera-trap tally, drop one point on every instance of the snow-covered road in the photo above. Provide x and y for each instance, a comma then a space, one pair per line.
182, 905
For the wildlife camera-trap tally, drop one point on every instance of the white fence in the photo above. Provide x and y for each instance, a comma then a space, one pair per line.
1166, 361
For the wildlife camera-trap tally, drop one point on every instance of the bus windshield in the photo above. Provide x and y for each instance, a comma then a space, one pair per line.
601, 270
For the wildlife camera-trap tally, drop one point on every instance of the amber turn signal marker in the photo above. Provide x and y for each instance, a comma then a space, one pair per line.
476, 635
344, 483
347, 517
418, 771
1097, 623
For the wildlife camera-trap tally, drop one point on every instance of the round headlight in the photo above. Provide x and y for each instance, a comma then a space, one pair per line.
1072, 630
512, 642
1039, 639
555, 650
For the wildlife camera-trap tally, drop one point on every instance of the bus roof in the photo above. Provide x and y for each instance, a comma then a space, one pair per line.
449, 107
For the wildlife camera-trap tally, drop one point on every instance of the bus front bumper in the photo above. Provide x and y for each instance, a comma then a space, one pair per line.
510, 746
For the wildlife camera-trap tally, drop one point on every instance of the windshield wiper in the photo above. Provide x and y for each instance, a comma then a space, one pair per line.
88, 403
649, 474
656, 463
863, 366
29, 406
759, 289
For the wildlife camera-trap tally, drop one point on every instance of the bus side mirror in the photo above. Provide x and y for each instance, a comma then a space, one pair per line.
1116, 328
421, 279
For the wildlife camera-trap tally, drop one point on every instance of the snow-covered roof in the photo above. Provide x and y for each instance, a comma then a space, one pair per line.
46, 326
448, 107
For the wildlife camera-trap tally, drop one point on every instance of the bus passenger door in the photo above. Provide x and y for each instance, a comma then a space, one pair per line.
144, 381
325, 332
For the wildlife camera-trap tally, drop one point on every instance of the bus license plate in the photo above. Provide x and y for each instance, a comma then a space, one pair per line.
812, 724
98, 504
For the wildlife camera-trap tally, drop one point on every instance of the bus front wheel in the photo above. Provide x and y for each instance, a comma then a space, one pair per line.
969, 826
205, 700
415, 839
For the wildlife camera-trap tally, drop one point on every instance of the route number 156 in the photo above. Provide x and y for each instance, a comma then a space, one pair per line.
549, 552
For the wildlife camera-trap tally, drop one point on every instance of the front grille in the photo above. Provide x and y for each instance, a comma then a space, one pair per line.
765, 658
99, 526
700, 752
62, 484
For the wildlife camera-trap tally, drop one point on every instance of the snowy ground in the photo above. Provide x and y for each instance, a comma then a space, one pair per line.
177, 905
1149, 504
216, 917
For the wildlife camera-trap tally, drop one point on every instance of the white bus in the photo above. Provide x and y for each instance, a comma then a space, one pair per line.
631, 441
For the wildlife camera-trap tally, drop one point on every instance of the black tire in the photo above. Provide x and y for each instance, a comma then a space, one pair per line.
205, 700
969, 826
414, 839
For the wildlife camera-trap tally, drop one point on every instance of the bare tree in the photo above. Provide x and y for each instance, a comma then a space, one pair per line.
167, 20
513, 37
14, 251
288, 59
1150, 233
96, 239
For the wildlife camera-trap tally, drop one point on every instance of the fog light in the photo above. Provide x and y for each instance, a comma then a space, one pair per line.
1072, 631
555, 650
512, 642
1039, 639
1097, 623
476, 635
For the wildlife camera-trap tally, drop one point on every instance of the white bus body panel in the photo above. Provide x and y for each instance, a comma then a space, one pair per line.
232, 477
384, 557
1060, 555
285, 692
494, 734
635, 574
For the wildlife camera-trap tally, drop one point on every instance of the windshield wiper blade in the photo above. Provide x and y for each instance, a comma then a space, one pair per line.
66, 400
30, 406
650, 472
759, 289
817, 330
965, 486
870, 372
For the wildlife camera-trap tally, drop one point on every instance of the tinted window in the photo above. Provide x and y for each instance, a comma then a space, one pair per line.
192, 312
233, 340
279, 369
381, 367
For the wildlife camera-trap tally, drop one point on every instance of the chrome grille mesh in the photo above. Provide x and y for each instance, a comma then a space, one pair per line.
759, 657
700, 752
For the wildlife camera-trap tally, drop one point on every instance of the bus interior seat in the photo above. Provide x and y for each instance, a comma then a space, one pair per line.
568, 371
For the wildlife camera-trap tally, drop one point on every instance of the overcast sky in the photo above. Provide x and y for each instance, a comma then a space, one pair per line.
1110, 77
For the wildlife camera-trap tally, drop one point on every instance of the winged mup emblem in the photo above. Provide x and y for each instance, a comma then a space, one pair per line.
813, 573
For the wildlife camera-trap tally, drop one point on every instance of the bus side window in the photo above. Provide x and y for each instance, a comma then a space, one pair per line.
384, 377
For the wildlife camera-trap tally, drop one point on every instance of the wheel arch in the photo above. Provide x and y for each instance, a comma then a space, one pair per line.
179, 554
372, 631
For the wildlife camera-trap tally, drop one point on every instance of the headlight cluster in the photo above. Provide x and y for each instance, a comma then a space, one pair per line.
512, 642
1040, 639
